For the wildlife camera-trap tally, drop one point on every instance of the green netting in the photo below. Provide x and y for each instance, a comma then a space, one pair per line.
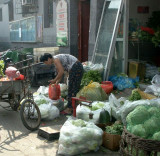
92, 92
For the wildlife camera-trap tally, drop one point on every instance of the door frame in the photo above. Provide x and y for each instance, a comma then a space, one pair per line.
80, 53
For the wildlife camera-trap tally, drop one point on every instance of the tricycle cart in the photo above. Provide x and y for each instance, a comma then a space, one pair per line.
17, 93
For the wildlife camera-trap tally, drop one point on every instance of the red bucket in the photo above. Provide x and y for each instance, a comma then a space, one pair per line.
107, 86
54, 91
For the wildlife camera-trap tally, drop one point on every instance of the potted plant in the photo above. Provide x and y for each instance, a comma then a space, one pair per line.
156, 38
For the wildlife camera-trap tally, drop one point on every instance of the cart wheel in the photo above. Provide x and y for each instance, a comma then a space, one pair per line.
30, 114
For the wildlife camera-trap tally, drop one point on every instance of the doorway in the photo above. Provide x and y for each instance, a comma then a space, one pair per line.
83, 29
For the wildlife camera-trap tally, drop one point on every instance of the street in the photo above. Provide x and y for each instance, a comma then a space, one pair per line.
16, 140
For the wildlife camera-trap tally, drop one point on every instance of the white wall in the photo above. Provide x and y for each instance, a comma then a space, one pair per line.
4, 24
154, 5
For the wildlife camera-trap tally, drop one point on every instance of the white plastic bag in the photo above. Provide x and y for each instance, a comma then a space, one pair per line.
44, 109
41, 99
128, 107
82, 112
63, 87
78, 136
115, 106
48, 111
43, 90
156, 80
90, 66
53, 112
155, 87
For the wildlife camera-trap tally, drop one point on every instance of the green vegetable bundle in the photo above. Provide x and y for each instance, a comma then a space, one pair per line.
1, 67
134, 96
92, 75
116, 128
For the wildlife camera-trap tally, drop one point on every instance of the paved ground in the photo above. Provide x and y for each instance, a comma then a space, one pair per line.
16, 140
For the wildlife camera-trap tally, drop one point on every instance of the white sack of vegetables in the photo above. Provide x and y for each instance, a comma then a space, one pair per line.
43, 90
82, 112
93, 92
78, 136
47, 109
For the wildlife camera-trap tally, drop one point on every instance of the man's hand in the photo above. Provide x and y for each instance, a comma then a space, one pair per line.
52, 81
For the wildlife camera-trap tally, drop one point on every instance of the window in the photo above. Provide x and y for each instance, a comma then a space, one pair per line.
0, 14
48, 13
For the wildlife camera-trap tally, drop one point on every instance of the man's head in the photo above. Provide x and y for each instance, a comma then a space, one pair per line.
47, 59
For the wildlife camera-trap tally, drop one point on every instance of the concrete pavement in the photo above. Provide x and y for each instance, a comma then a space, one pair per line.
16, 140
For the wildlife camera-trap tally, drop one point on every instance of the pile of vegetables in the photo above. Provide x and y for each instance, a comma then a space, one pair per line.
134, 96
1, 67
116, 128
144, 121
92, 75
92, 92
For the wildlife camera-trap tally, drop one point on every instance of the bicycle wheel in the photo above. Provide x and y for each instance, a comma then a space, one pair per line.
30, 114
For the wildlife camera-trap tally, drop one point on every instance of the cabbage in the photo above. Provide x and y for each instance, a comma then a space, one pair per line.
79, 123
143, 121
156, 136
154, 111
152, 125
98, 105
138, 116
139, 130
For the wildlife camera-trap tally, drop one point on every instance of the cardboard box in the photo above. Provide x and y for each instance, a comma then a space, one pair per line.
111, 141
50, 133
137, 69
